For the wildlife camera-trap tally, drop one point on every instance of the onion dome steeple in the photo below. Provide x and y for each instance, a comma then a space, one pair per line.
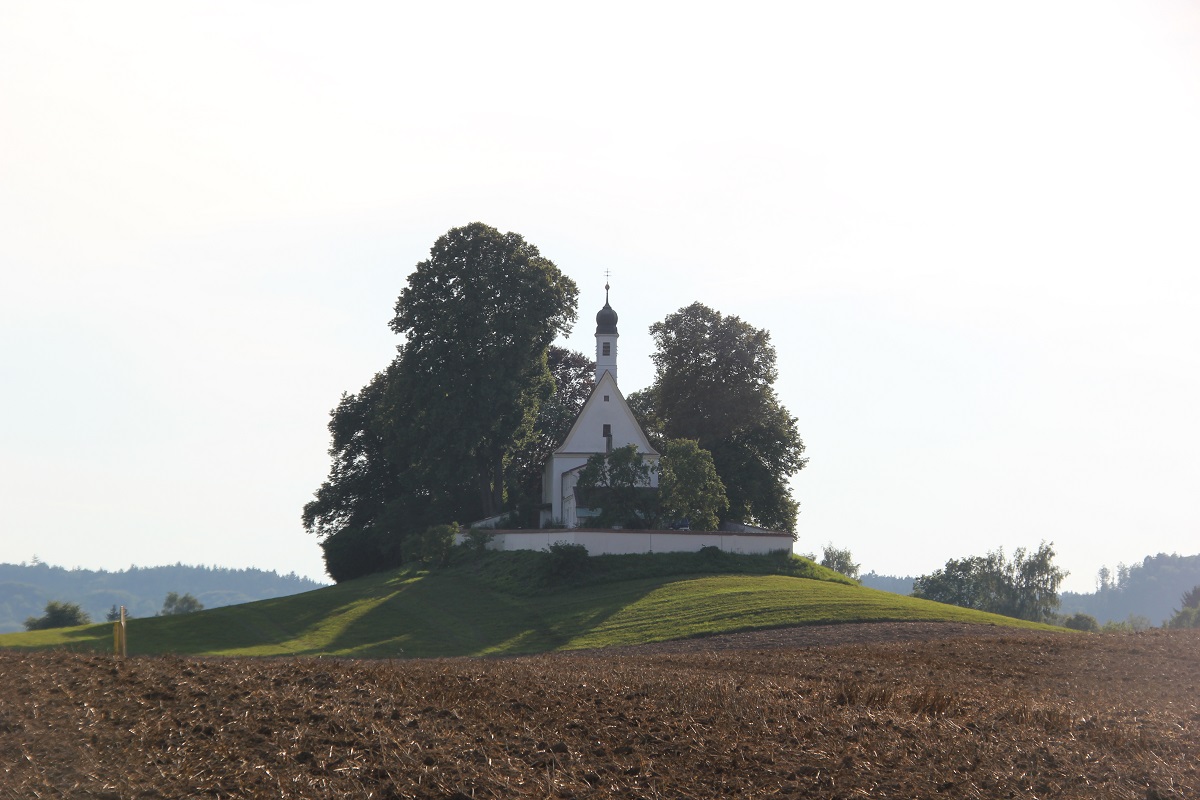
606, 339
606, 318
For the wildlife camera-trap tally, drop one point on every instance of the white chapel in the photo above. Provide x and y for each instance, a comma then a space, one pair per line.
604, 423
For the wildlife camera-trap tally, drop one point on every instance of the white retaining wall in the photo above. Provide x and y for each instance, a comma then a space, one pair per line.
614, 542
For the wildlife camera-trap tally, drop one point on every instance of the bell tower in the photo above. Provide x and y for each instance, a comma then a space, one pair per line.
606, 339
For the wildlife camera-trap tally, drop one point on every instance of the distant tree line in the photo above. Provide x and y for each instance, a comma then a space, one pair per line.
896, 584
25, 589
1149, 590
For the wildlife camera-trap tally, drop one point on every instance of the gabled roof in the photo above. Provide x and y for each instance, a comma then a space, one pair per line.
596, 410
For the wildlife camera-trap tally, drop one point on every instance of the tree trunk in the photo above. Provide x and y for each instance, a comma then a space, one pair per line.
498, 486
491, 488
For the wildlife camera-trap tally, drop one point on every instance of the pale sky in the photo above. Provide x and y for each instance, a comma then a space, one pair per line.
971, 228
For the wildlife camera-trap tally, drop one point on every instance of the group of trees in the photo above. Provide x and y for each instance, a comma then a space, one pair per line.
1025, 586
1130, 597
460, 423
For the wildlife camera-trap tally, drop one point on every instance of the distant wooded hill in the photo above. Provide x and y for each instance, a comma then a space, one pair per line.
26, 588
887, 583
1151, 589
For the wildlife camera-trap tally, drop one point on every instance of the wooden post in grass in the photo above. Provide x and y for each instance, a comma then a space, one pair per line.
119, 635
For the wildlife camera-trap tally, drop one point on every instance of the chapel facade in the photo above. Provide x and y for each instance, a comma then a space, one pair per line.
604, 423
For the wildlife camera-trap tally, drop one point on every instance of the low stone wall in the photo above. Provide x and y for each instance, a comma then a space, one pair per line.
614, 542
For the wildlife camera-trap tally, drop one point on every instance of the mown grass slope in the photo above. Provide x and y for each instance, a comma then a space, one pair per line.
513, 603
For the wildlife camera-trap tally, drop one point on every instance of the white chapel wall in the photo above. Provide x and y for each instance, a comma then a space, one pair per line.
617, 542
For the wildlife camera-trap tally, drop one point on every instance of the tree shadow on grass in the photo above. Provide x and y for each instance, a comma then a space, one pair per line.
457, 616
91, 639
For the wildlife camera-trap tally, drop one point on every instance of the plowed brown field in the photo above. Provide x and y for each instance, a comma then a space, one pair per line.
905, 711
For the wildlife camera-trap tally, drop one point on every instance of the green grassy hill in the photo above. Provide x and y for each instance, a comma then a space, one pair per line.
511, 603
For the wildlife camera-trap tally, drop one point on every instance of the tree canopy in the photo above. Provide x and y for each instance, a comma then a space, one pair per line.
689, 487
175, 603
1188, 615
430, 437
58, 615
478, 317
574, 377
840, 560
618, 484
714, 383
1025, 587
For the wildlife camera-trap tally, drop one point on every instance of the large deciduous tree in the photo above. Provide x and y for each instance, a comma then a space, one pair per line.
840, 560
428, 439
478, 317
714, 383
362, 479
